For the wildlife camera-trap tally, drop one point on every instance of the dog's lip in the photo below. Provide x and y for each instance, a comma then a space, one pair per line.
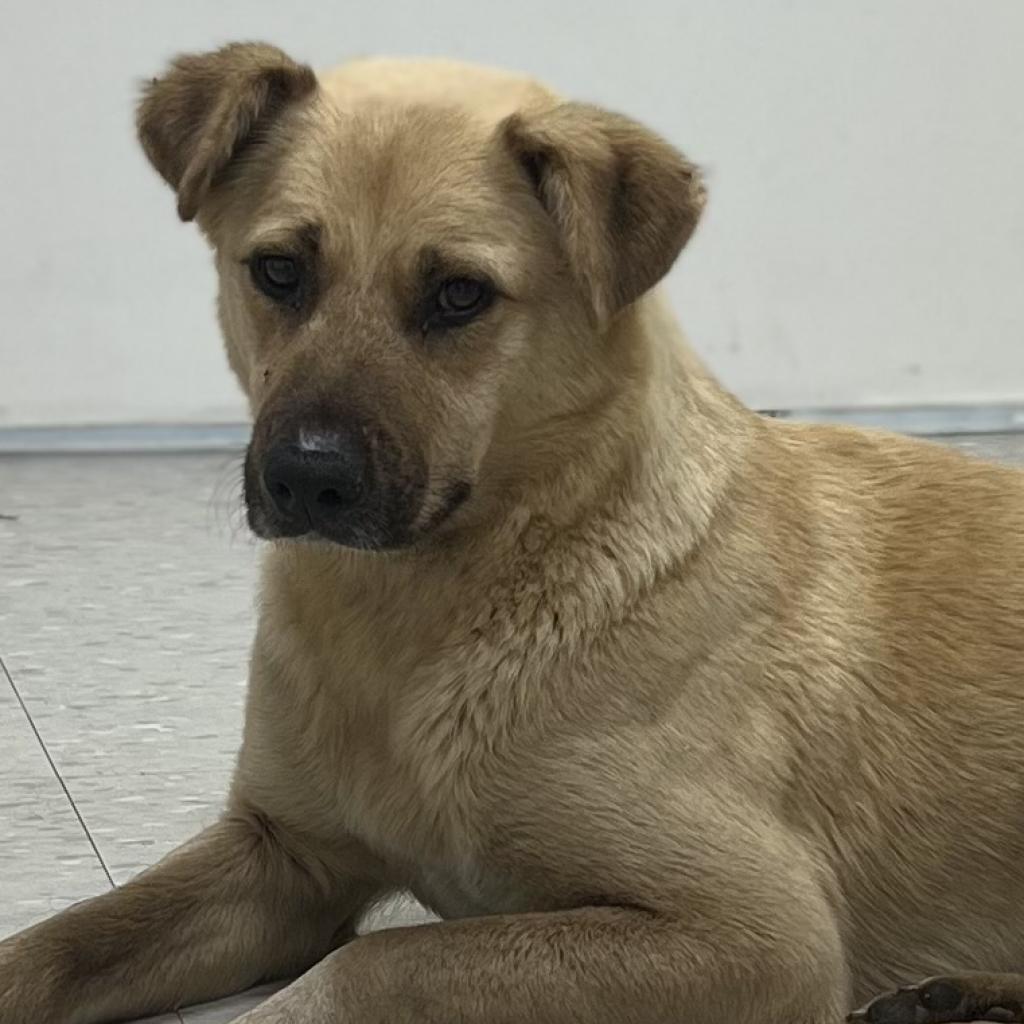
456, 495
267, 530
353, 538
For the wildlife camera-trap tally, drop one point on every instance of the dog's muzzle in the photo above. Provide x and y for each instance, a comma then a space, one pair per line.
349, 483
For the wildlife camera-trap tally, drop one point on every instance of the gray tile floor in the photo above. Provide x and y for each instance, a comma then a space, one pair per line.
126, 608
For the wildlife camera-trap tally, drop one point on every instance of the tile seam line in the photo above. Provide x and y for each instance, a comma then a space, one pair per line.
56, 773
63, 785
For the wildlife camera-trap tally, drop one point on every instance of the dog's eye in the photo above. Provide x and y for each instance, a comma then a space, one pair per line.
460, 294
278, 277
460, 299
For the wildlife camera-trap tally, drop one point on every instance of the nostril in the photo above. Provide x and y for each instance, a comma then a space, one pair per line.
281, 493
330, 497
337, 497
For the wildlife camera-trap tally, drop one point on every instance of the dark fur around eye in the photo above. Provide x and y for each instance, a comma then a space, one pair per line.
457, 301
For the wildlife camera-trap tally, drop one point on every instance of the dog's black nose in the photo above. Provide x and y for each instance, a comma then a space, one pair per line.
316, 484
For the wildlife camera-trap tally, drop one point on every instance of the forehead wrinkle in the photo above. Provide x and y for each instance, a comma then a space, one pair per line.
389, 158
393, 180
463, 256
283, 231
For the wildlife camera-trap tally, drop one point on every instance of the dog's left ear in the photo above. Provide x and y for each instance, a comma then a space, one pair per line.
623, 200
195, 120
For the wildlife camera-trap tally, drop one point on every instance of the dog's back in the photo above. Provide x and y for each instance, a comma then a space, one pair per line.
903, 569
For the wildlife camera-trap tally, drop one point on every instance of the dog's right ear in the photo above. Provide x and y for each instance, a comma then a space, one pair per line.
196, 118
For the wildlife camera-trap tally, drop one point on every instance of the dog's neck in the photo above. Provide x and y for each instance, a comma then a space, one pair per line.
653, 453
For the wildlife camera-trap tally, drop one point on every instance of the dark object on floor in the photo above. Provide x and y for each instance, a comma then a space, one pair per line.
965, 997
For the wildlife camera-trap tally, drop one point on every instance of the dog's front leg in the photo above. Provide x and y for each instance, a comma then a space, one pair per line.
238, 904
600, 965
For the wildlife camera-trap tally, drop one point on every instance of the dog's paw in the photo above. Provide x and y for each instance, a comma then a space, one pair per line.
944, 1000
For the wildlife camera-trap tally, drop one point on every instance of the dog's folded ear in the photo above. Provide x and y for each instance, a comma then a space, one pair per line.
196, 118
624, 201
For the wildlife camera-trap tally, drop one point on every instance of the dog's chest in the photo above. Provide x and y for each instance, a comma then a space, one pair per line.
406, 748
423, 802
419, 788
404, 724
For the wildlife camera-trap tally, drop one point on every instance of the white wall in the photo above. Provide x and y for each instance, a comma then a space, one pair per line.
865, 240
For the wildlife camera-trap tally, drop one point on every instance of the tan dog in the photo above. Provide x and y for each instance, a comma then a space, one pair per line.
675, 713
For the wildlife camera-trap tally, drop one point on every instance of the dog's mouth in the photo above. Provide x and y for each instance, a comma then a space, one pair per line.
365, 533
357, 533
351, 489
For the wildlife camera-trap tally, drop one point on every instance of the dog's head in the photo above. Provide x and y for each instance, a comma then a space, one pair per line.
415, 292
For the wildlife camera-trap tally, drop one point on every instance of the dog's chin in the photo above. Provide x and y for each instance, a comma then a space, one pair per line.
354, 536
370, 533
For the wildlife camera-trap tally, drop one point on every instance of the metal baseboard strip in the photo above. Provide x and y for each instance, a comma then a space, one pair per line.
922, 420
124, 439
145, 438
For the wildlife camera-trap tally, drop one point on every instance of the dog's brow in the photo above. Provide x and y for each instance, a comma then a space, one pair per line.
471, 259
293, 236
